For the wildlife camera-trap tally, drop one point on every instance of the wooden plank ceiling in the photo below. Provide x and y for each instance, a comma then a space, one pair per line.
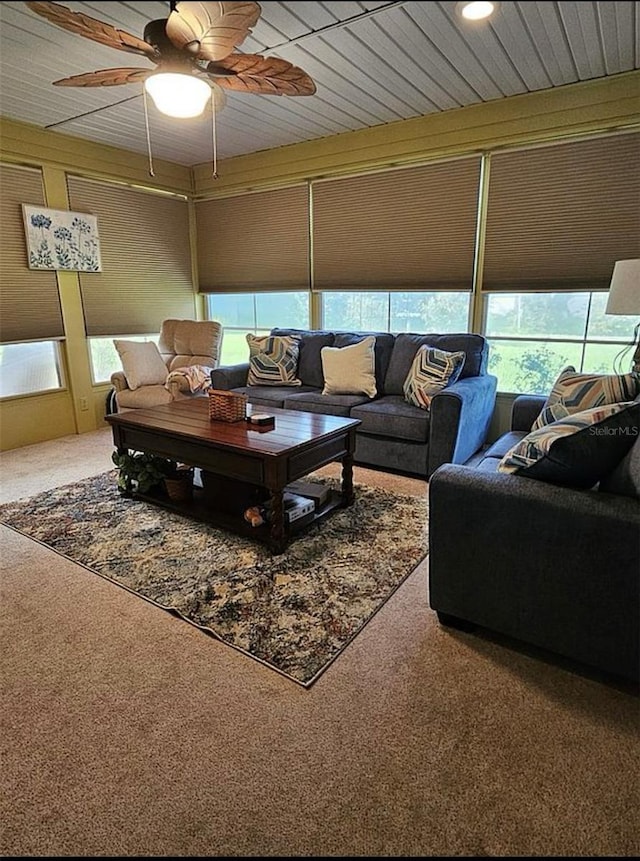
373, 63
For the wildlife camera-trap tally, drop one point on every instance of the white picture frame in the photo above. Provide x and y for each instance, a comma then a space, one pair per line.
59, 239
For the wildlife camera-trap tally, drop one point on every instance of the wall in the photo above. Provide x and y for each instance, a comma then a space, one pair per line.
26, 420
578, 109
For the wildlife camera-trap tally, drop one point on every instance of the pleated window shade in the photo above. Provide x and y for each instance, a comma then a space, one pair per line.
254, 242
402, 229
146, 260
29, 299
559, 216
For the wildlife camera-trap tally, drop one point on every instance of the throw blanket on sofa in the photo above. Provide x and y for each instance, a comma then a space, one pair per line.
198, 377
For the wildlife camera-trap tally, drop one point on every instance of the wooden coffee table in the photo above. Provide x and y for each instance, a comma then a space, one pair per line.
268, 458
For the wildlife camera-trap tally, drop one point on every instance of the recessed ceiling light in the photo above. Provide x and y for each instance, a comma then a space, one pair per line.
477, 10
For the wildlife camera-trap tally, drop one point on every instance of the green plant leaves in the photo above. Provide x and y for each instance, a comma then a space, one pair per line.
142, 471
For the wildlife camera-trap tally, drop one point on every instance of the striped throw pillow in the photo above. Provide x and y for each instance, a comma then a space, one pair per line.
574, 392
273, 360
431, 371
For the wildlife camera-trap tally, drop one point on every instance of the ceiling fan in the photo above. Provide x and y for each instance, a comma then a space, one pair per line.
196, 39
193, 52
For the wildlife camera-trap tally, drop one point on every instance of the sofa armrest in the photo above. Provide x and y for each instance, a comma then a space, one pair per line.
230, 376
549, 565
119, 381
460, 419
525, 410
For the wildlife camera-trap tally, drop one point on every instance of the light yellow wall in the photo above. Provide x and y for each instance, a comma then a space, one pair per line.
80, 406
584, 108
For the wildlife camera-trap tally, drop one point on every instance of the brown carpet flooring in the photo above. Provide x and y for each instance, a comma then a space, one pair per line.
126, 732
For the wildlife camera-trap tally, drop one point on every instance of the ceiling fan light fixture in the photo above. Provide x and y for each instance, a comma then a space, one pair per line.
178, 95
477, 10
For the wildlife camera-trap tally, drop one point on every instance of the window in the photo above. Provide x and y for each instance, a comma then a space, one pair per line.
410, 311
533, 336
258, 313
104, 356
29, 368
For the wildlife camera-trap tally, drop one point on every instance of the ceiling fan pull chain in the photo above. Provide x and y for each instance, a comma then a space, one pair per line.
213, 136
146, 125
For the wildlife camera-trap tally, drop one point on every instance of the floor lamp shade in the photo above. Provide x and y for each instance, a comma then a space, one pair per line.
624, 291
624, 298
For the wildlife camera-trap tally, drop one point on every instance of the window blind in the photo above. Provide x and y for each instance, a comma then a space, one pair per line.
401, 229
559, 216
146, 259
29, 299
255, 242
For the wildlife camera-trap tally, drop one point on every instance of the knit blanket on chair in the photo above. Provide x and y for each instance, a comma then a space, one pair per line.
198, 377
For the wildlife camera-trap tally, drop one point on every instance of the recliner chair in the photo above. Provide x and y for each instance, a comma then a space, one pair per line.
182, 343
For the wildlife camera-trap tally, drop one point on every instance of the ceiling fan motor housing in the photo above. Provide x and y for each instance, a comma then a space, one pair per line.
155, 34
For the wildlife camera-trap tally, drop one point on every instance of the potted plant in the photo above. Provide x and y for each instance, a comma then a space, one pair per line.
178, 482
142, 472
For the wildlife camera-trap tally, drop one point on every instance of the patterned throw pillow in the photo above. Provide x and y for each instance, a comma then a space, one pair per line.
273, 360
431, 371
579, 450
573, 392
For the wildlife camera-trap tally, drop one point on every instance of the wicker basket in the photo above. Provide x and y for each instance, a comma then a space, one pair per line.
227, 406
180, 486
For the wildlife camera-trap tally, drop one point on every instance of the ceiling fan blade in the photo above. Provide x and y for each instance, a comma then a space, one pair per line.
105, 78
210, 31
253, 73
93, 29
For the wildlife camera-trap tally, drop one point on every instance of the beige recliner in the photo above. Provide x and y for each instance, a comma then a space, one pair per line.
182, 343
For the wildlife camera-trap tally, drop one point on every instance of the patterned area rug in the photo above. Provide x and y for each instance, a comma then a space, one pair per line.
294, 612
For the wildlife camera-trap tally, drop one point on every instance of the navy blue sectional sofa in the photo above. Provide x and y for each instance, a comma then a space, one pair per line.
393, 434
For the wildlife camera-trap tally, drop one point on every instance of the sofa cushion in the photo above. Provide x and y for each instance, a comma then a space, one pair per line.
310, 343
272, 396
431, 371
504, 444
350, 370
579, 450
143, 398
406, 345
273, 361
331, 405
383, 348
573, 393
141, 362
391, 416
625, 478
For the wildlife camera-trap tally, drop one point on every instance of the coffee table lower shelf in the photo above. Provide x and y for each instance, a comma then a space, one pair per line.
200, 509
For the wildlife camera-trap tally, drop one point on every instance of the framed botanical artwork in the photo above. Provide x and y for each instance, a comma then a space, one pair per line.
58, 239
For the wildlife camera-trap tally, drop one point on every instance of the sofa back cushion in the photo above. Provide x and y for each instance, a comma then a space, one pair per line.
625, 478
406, 346
310, 342
382, 350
